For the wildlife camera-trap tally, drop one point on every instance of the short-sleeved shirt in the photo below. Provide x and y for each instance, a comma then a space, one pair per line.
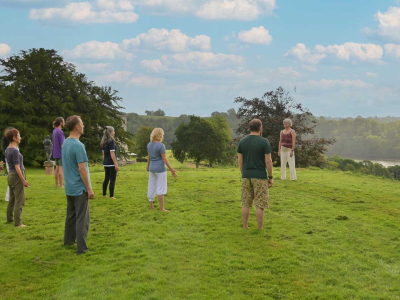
155, 149
73, 154
110, 147
58, 140
14, 157
253, 148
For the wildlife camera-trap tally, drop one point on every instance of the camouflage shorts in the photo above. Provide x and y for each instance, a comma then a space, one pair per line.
257, 190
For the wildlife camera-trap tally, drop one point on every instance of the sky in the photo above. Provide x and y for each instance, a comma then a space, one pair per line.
338, 58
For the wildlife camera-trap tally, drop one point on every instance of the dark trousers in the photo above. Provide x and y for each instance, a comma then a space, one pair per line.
17, 198
111, 176
77, 222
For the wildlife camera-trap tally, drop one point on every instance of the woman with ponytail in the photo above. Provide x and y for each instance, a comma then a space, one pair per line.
58, 140
110, 162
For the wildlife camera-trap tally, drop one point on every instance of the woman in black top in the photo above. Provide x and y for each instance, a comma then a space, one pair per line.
110, 162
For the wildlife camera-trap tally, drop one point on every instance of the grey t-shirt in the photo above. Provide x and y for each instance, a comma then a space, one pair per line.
14, 157
155, 149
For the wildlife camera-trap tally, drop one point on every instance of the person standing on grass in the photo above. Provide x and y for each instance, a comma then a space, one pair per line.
254, 157
4, 146
287, 144
58, 140
156, 161
110, 162
77, 186
16, 178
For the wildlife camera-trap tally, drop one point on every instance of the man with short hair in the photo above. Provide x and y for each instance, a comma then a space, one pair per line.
77, 186
254, 157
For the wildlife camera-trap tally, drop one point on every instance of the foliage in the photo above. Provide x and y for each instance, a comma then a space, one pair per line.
304, 252
142, 138
361, 138
272, 109
39, 86
157, 113
203, 139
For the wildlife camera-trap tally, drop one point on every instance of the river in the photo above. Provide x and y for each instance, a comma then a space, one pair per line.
386, 163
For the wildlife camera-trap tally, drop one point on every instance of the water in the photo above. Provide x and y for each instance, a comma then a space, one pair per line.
386, 163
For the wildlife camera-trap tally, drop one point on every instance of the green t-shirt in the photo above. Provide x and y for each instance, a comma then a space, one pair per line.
253, 148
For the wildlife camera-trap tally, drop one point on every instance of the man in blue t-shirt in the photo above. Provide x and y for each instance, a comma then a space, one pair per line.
77, 186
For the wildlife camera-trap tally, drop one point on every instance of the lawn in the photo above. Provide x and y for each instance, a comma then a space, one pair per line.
330, 235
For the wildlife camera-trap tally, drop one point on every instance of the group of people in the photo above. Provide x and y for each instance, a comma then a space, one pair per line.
254, 158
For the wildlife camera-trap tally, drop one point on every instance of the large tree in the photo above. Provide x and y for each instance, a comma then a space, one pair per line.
202, 139
272, 109
38, 85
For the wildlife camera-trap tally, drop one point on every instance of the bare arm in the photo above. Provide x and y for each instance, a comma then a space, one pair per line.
268, 163
114, 159
148, 162
240, 162
280, 142
165, 159
293, 140
85, 178
21, 176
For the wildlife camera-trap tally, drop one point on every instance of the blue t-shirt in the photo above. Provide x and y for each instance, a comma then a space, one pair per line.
155, 149
73, 153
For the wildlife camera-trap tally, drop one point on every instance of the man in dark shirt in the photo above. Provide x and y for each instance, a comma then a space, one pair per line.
254, 157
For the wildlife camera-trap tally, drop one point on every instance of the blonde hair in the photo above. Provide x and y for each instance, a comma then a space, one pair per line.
157, 135
288, 121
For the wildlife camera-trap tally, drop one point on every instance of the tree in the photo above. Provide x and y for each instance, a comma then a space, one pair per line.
272, 109
39, 86
202, 139
142, 138
158, 113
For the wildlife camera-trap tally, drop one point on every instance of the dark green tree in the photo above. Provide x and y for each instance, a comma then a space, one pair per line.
272, 109
142, 138
38, 85
202, 139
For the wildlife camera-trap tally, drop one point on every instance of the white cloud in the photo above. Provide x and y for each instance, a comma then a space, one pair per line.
147, 81
332, 83
389, 24
105, 11
347, 51
212, 9
289, 72
162, 39
392, 50
309, 68
116, 76
371, 74
301, 53
91, 68
97, 50
153, 65
256, 35
4, 50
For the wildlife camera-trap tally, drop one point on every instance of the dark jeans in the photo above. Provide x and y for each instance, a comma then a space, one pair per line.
17, 198
111, 176
77, 222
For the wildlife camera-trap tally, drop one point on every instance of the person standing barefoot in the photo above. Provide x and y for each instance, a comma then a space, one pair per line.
156, 161
16, 178
287, 144
110, 162
58, 140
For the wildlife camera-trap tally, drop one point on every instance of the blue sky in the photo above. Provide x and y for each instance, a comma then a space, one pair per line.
197, 56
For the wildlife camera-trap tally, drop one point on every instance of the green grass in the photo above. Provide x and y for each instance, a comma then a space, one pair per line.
308, 249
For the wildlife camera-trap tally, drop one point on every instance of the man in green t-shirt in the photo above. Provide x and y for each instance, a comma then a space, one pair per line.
254, 156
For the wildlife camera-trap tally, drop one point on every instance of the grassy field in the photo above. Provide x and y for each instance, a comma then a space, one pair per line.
330, 235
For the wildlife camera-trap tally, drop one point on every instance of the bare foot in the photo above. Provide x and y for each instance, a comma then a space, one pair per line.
22, 225
62, 187
164, 210
105, 196
114, 198
151, 206
245, 227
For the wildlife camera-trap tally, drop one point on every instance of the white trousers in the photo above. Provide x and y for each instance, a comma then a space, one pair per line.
8, 188
285, 159
157, 185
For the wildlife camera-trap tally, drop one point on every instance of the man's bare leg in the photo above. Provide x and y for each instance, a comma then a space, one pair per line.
260, 217
61, 177
245, 216
56, 175
161, 202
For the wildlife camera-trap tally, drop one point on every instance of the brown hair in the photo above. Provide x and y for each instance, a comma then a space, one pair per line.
58, 121
255, 125
72, 121
11, 134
